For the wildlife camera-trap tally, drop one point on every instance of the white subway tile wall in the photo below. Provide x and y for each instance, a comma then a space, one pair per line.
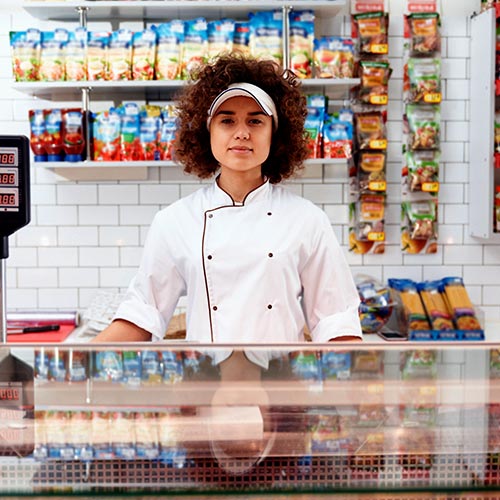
88, 236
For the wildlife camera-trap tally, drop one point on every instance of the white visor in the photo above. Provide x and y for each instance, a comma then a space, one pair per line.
263, 99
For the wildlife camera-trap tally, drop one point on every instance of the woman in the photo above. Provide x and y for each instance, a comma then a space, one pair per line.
256, 262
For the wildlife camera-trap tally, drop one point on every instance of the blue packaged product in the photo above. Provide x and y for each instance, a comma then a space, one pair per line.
131, 368
173, 368
151, 367
108, 366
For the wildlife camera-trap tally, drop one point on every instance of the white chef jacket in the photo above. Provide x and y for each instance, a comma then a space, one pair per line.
253, 272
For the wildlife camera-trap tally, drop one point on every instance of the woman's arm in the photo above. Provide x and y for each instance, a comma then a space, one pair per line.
121, 330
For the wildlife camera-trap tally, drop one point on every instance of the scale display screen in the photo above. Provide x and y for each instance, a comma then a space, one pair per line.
9, 157
10, 392
14, 185
9, 177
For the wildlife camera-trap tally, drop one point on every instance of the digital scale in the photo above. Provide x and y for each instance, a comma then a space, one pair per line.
16, 376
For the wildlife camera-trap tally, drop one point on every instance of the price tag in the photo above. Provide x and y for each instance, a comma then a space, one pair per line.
378, 99
379, 48
377, 185
376, 236
430, 187
432, 98
378, 144
428, 390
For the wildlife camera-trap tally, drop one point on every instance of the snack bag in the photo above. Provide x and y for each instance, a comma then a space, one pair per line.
170, 40
424, 33
424, 80
119, 55
422, 219
75, 55
97, 48
374, 87
373, 32
52, 51
195, 48
72, 134
370, 131
370, 220
337, 138
266, 35
25, 48
106, 135
421, 172
149, 131
130, 146
424, 126
301, 42
220, 35
334, 57
241, 37
143, 54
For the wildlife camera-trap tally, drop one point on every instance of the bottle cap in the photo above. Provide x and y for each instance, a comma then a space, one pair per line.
73, 158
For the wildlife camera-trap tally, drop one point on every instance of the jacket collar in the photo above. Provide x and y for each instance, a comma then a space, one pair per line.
223, 198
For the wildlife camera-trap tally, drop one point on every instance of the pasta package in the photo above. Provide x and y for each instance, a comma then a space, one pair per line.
460, 304
435, 305
412, 313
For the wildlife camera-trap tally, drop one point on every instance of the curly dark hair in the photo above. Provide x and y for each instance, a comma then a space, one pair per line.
289, 141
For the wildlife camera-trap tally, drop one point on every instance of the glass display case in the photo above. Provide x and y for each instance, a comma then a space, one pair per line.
342, 420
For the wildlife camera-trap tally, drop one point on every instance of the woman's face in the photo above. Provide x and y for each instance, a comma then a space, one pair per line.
240, 135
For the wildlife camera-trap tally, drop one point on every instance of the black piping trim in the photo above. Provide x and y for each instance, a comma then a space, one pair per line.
234, 205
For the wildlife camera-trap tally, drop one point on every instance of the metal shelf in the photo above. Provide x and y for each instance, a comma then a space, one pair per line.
159, 10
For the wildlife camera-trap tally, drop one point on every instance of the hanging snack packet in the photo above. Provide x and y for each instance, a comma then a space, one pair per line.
424, 33
370, 130
25, 48
334, 57
374, 87
195, 47
220, 35
143, 54
241, 38
52, 55
435, 305
266, 35
373, 32
75, 55
170, 39
106, 135
424, 80
119, 55
422, 169
301, 42
424, 126
371, 210
97, 54
422, 219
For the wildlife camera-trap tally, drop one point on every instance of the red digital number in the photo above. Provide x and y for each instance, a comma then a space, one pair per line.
7, 179
7, 199
9, 394
7, 158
